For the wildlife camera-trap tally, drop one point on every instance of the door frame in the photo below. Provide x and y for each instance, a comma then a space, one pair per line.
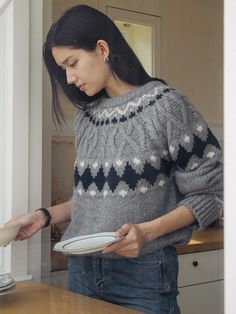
27, 129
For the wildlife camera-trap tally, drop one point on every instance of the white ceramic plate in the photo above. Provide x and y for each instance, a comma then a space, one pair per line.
87, 244
8, 234
6, 283
7, 289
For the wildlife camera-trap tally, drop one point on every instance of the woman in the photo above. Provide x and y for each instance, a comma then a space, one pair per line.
147, 166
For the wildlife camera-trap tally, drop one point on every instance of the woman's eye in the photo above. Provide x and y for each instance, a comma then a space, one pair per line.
72, 65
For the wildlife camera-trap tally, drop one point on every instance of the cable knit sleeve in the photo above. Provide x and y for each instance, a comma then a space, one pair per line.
196, 153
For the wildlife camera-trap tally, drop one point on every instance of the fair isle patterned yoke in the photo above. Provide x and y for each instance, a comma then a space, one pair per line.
138, 157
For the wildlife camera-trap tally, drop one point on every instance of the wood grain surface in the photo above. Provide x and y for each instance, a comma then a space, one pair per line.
31, 297
206, 240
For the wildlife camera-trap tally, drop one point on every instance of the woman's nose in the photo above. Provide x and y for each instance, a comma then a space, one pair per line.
71, 78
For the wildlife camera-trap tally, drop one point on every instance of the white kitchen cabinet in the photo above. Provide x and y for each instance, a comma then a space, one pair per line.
199, 299
201, 283
221, 297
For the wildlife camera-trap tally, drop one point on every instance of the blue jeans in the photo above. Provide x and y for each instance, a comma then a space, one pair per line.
147, 284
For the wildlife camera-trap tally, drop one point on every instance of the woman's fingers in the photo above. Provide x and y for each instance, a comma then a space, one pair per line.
30, 224
131, 245
28, 231
115, 246
123, 230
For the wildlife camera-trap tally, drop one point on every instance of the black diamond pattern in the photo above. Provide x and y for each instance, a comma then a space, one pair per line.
113, 179
149, 173
199, 146
76, 176
130, 177
86, 178
165, 167
100, 179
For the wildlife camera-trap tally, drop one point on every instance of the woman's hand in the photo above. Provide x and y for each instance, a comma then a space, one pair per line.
30, 224
136, 236
34, 221
132, 244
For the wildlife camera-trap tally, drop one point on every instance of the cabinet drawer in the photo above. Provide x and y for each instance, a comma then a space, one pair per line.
221, 264
199, 299
198, 268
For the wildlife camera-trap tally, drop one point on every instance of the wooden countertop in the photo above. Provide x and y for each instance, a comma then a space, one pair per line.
206, 240
31, 297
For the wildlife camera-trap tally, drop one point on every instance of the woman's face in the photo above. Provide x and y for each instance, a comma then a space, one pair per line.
87, 70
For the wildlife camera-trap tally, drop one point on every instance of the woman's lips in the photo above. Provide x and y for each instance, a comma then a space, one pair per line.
81, 87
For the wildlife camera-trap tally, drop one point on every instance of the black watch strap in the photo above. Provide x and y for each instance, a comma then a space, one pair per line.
47, 216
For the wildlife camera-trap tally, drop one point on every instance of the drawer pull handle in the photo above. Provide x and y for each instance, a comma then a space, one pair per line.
195, 263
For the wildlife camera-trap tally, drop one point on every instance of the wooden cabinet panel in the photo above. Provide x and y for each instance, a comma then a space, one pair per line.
63, 158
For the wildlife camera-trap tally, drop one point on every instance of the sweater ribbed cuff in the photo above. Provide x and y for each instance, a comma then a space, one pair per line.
205, 209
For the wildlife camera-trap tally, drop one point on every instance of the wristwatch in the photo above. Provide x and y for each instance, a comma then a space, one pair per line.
47, 216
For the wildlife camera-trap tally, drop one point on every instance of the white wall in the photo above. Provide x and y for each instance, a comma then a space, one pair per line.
195, 54
230, 154
6, 35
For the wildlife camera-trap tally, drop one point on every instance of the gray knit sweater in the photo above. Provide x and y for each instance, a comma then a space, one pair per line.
140, 156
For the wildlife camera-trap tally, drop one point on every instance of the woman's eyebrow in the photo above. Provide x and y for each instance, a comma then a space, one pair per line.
65, 61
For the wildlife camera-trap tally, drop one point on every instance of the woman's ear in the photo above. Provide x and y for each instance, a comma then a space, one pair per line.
103, 49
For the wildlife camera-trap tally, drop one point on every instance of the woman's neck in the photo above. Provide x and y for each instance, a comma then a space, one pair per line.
117, 87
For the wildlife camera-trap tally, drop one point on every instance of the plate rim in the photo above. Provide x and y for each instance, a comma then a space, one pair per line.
94, 246
60, 245
92, 235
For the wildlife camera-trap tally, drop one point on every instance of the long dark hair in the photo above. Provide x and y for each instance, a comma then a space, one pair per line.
81, 27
